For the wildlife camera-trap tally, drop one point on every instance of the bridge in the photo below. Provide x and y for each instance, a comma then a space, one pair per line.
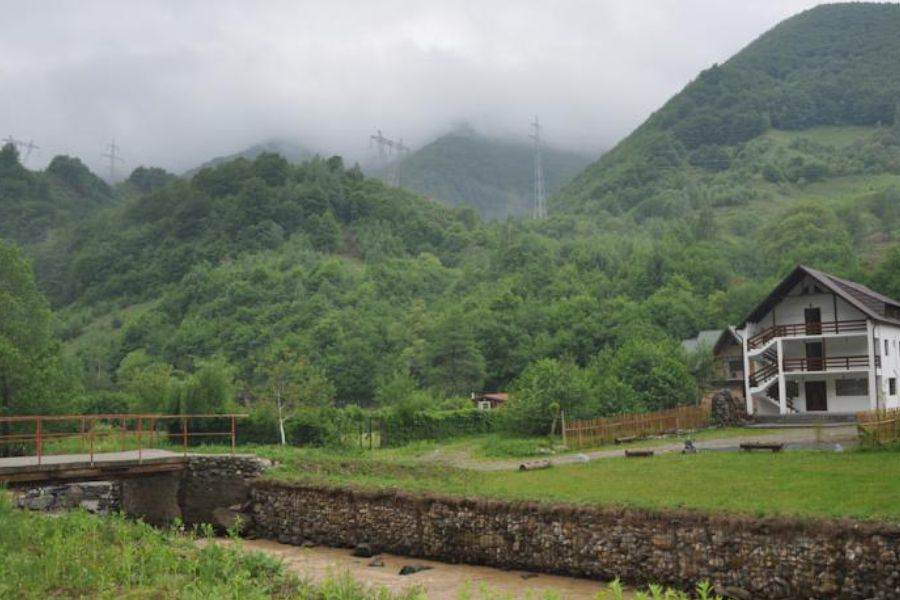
37, 449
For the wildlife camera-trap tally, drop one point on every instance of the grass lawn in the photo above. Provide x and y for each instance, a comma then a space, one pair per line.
863, 485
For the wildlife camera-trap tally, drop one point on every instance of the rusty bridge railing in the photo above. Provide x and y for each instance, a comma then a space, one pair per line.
92, 434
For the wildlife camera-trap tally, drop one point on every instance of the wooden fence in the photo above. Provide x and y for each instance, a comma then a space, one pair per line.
879, 427
596, 432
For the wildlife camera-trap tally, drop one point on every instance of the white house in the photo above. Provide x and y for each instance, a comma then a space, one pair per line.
819, 343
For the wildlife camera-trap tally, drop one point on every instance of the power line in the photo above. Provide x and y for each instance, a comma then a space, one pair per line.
540, 196
112, 153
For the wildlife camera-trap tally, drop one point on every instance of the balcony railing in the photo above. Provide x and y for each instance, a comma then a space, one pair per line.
798, 329
828, 363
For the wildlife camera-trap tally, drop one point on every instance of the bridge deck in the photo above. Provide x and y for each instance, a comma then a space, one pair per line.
81, 466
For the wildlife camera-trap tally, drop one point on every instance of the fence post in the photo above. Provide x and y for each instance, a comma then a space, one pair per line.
184, 434
40, 442
233, 433
140, 427
562, 420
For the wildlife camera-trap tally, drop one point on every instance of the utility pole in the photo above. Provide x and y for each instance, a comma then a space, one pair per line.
112, 153
540, 196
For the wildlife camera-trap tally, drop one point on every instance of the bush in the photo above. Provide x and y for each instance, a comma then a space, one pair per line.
398, 427
543, 389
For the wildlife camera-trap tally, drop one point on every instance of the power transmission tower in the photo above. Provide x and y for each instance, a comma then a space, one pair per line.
112, 153
387, 148
29, 148
540, 196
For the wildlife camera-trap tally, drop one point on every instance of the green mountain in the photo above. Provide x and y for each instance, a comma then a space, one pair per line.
494, 176
292, 151
397, 301
811, 101
34, 202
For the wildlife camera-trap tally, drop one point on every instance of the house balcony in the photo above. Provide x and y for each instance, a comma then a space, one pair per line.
805, 330
762, 376
828, 363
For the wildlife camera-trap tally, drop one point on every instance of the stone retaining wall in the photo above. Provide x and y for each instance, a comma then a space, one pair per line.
748, 558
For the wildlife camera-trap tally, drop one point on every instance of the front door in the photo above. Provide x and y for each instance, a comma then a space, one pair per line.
813, 319
815, 361
816, 396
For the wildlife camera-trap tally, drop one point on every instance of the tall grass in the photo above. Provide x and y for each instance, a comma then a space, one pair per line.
76, 555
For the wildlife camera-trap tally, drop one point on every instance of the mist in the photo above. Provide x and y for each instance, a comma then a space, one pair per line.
177, 83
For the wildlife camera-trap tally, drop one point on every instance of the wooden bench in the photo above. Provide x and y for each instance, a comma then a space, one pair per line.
638, 453
626, 439
750, 446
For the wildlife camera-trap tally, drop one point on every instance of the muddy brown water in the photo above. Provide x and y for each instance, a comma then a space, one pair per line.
442, 582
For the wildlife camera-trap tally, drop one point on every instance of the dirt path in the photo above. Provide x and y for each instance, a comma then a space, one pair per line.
793, 439
441, 582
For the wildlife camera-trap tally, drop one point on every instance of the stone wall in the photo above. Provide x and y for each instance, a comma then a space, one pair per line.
745, 557
211, 489
99, 497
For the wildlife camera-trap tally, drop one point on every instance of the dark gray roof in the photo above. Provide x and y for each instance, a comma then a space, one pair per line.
706, 339
869, 302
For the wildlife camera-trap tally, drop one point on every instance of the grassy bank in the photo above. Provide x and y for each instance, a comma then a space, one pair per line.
76, 555
860, 485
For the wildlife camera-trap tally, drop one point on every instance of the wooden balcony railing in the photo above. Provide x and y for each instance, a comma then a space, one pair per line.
798, 329
828, 363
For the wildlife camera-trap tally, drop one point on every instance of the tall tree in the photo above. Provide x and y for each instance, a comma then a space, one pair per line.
28, 352
292, 383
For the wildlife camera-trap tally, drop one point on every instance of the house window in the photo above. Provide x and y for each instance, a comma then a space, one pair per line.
735, 368
851, 387
892, 386
887, 347
792, 389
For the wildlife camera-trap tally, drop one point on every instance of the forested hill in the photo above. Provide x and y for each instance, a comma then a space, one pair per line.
740, 128
33, 202
293, 151
391, 300
494, 176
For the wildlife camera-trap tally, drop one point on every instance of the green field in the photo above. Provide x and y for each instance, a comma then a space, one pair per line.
862, 485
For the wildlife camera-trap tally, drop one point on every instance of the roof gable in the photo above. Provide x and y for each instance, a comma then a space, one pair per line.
869, 302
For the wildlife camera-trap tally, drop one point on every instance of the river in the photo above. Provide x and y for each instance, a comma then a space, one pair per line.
442, 582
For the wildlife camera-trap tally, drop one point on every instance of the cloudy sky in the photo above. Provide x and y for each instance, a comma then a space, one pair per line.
176, 82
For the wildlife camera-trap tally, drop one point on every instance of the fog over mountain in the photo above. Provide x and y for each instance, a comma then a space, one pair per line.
177, 83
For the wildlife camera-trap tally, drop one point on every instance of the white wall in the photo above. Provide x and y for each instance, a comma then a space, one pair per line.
790, 309
844, 404
890, 363
857, 345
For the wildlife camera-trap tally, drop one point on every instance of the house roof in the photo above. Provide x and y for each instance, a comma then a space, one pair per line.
730, 333
706, 338
869, 302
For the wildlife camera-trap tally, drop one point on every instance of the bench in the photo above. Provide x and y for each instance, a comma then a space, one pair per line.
750, 446
626, 439
638, 453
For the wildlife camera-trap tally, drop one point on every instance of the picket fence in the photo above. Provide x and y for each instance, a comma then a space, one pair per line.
597, 432
879, 427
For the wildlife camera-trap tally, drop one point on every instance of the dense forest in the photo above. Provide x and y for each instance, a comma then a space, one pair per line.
494, 176
255, 277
